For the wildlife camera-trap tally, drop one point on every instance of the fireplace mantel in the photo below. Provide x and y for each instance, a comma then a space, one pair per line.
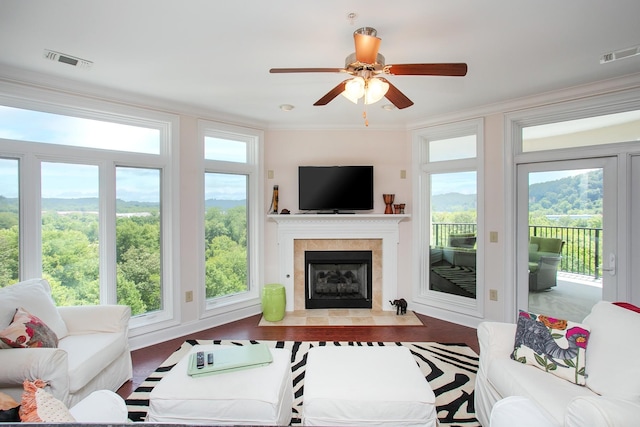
339, 226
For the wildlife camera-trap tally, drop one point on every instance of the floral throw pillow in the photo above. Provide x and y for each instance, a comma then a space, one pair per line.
553, 345
26, 330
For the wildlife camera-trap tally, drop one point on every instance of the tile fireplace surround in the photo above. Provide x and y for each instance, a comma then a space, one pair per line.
376, 232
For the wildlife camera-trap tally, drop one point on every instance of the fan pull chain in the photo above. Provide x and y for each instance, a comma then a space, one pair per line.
364, 115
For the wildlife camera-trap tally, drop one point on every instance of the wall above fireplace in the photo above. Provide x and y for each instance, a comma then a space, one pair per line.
335, 228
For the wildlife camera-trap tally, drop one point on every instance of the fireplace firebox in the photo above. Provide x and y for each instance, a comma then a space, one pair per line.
338, 279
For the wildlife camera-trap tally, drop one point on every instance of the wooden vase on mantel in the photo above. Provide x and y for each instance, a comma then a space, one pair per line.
388, 200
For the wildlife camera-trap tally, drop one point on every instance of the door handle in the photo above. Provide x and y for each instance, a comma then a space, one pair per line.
612, 265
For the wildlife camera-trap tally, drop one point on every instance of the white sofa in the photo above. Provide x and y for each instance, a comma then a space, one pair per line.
92, 353
611, 396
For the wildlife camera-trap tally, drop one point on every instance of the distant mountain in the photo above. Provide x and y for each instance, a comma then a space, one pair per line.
224, 205
558, 196
578, 194
91, 204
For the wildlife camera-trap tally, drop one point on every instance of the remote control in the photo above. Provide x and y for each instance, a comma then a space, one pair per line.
210, 359
200, 360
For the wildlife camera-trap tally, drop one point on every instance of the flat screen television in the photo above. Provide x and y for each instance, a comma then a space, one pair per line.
335, 189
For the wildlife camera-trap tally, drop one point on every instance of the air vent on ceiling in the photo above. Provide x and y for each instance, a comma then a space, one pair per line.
620, 54
67, 59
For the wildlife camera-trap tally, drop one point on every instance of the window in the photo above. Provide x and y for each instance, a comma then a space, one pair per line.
582, 132
9, 220
37, 126
70, 232
449, 212
571, 180
231, 214
138, 242
95, 191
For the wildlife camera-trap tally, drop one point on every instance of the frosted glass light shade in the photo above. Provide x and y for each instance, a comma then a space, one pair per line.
354, 89
376, 90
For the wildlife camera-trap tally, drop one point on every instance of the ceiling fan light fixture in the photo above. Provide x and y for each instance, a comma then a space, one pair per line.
376, 89
354, 89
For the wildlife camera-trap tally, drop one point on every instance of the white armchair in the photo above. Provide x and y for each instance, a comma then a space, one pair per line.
92, 353
611, 396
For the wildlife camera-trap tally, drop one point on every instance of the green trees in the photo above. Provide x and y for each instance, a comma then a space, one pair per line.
71, 253
226, 251
138, 262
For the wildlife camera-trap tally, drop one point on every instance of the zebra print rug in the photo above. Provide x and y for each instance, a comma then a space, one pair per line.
450, 369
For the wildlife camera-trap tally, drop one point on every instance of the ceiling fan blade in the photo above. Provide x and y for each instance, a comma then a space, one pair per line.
306, 70
444, 69
396, 97
332, 94
366, 48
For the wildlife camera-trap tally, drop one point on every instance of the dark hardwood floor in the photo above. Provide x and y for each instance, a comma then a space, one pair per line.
147, 359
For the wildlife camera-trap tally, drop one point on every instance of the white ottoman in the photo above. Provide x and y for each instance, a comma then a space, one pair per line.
255, 396
372, 386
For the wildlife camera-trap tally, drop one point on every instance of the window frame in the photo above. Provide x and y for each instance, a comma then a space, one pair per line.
255, 215
422, 171
31, 154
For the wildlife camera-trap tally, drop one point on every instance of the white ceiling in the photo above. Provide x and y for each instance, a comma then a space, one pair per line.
215, 56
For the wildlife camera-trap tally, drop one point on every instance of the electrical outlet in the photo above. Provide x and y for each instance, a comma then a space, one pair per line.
188, 296
493, 294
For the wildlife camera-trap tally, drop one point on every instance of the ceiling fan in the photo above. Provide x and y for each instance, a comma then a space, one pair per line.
367, 66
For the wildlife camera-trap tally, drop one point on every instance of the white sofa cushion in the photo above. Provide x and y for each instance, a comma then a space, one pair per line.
525, 410
35, 297
90, 354
510, 378
613, 373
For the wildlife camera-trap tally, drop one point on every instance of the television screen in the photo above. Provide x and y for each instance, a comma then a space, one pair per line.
335, 188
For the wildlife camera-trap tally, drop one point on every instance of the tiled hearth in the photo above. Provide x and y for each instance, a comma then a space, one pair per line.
375, 232
345, 317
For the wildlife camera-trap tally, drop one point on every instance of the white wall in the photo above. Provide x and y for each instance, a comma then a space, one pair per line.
388, 151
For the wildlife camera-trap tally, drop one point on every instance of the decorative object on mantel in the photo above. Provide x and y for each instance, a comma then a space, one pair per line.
274, 200
284, 212
398, 208
388, 200
400, 305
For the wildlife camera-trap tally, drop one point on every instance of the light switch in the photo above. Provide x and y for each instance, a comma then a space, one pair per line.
403, 174
493, 236
270, 174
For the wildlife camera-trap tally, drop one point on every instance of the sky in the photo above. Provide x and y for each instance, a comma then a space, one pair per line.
64, 180
67, 180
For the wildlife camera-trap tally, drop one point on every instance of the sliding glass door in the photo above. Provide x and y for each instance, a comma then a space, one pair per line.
566, 251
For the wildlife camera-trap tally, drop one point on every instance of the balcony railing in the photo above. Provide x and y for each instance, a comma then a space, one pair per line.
581, 253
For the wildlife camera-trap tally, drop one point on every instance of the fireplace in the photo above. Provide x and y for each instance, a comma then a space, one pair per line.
377, 233
338, 279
